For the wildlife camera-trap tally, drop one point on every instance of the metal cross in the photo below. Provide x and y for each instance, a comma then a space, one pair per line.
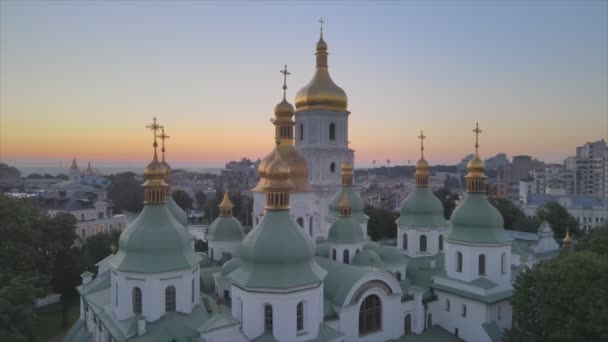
163, 137
422, 137
154, 127
476, 131
321, 22
285, 73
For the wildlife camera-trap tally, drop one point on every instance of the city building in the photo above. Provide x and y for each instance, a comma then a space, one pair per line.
240, 175
590, 211
590, 168
552, 177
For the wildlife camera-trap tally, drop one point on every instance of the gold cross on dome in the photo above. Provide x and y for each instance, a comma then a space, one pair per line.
422, 137
163, 137
321, 22
476, 131
154, 127
285, 73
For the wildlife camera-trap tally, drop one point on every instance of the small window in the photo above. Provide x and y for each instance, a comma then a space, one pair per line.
332, 167
499, 311
170, 298
116, 294
423, 243
464, 310
407, 329
332, 131
81, 217
441, 242
300, 222
268, 318
503, 263
398, 275
447, 305
458, 262
192, 299
301, 132
404, 241
300, 316
346, 256
333, 254
482, 265
136, 300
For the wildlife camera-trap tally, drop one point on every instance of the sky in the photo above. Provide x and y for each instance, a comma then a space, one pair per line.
83, 78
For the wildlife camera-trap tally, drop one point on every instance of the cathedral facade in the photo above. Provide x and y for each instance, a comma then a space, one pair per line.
308, 271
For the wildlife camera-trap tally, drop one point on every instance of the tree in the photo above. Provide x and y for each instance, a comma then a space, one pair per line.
558, 217
381, 223
126, 192
17, 316
200, 198
99, 246
563, 299
595, 241
514, 218
182, 199
448, 200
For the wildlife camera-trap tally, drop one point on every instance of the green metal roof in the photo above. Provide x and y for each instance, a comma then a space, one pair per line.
206, 276
476, 220
176, 211
391, 255
368, 258
225, 228
277, 254
371, 245
326, 334
422, 209
345, 230
155, 242
322, 249
230, 266
355, 201
340, 280
77, 333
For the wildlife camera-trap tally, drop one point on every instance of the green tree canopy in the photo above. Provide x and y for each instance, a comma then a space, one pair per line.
558, 217
381, 224
126, 192
182, 199
448, 200
514, 217
99, 246
595, 241
200, 198
563, 299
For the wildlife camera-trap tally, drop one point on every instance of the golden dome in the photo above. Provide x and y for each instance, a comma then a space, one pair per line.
284, 109
321, 92
277, 174
298, 170
155, 173
476, 165
422, 165
226, 203
347, 167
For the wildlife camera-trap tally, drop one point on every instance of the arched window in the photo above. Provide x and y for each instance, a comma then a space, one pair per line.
211, 253
300, 316
464, 310
398, 275
482, 264
404, 241
458, 262
423, 243
310, 226
227, 295
136, 300
447, 305
301, 131
300, 222
429, 320
440, 242
345, 256
192, 291
503, 263
407, 325
268, 318
332, 167
332, 131
81, 217
257, 220
370, 315
333, 254
170, 298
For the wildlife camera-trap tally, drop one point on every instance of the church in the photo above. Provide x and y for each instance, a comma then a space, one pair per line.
308, 271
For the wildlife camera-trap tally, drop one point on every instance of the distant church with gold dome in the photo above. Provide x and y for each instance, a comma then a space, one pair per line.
307, 271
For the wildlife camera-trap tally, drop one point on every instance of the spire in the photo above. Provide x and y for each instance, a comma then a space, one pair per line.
283, 112
347, 174
89, 169
476, 179
344, 206
278, 186
321, 48
226, 206
154, 186
74, 165
567, 241
422, 166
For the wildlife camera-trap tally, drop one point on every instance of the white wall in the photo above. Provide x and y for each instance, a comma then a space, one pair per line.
470, 262
413, 240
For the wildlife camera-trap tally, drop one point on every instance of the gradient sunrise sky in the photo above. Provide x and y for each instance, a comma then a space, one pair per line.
84, 78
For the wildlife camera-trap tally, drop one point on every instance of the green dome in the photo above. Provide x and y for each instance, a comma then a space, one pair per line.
277, 254
225, 228
345, 230
205, 260
368, 258
391, 255
322, 249
476, 220
176, 211
356, 204
371, 245
422, 209
155, 242
230, 266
